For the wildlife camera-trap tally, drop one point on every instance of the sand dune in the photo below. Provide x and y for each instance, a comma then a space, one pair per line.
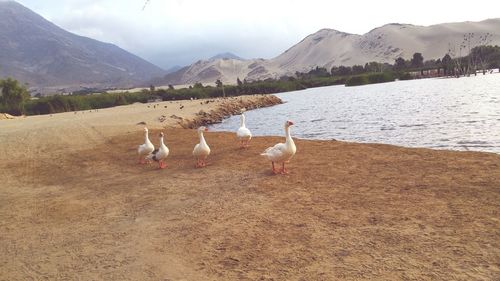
329, 47
75, 205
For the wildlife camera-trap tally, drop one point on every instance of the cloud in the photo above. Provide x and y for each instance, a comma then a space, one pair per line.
178, 32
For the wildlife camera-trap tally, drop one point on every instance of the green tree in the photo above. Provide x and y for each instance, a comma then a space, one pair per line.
218, 83
486, 57
447, 64
341, 70
373, 67
417, 60
14, 96
318, 72
357, 69
400, 64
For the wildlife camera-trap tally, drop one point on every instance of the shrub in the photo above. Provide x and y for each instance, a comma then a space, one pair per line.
370, 78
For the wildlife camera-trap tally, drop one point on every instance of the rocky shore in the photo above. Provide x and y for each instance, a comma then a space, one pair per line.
228, 107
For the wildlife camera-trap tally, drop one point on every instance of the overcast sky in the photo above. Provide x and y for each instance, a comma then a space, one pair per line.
178, 32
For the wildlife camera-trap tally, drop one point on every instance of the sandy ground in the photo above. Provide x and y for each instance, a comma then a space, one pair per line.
75, 205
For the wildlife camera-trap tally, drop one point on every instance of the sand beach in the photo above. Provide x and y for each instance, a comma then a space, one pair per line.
75, 205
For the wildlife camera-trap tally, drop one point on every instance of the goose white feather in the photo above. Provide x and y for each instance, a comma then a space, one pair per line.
243, 133
146, 148
201, 150
281, 152
160, 154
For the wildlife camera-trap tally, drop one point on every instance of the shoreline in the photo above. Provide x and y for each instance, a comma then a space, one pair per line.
91, 127
346, 211
227, 109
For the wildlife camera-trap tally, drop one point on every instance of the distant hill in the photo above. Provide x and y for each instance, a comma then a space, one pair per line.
329, 47
48, 58
173, 69
226, 55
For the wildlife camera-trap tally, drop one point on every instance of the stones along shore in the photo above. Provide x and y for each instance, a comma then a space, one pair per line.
229, 107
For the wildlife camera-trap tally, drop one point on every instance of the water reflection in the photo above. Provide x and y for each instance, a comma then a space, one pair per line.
459, 114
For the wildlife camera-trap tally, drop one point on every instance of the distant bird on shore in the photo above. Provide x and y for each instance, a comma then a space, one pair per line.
201, 150
281, 152
146, 148
160, 153
182, 106
243, 133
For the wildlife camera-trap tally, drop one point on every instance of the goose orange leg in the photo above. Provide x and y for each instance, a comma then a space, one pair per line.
201, 163
141, 160
283, 170
274, 169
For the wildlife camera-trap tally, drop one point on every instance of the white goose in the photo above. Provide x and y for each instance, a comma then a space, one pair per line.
146, 148
159, 154
244, 135
201, 150
282, 152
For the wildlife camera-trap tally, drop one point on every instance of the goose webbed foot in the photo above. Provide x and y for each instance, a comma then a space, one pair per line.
200, 163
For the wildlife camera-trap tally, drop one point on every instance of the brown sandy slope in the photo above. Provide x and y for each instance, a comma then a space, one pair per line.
347, 211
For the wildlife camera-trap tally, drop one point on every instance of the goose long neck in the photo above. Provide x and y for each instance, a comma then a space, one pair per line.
288, 135
146, 138
202, 138
161, 141
242, 121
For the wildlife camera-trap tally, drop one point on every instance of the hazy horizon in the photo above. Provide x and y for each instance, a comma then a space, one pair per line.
179, 32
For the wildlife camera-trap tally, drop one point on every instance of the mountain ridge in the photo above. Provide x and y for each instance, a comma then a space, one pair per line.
329, 47
49, 58
226, 55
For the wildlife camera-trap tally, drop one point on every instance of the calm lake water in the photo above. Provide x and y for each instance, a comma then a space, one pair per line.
458, 114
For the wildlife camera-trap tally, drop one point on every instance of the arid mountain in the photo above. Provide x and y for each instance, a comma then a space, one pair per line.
226, 55
48, 58
229, 70
328, 48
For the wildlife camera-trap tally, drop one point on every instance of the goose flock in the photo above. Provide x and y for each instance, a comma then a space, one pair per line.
280, 153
